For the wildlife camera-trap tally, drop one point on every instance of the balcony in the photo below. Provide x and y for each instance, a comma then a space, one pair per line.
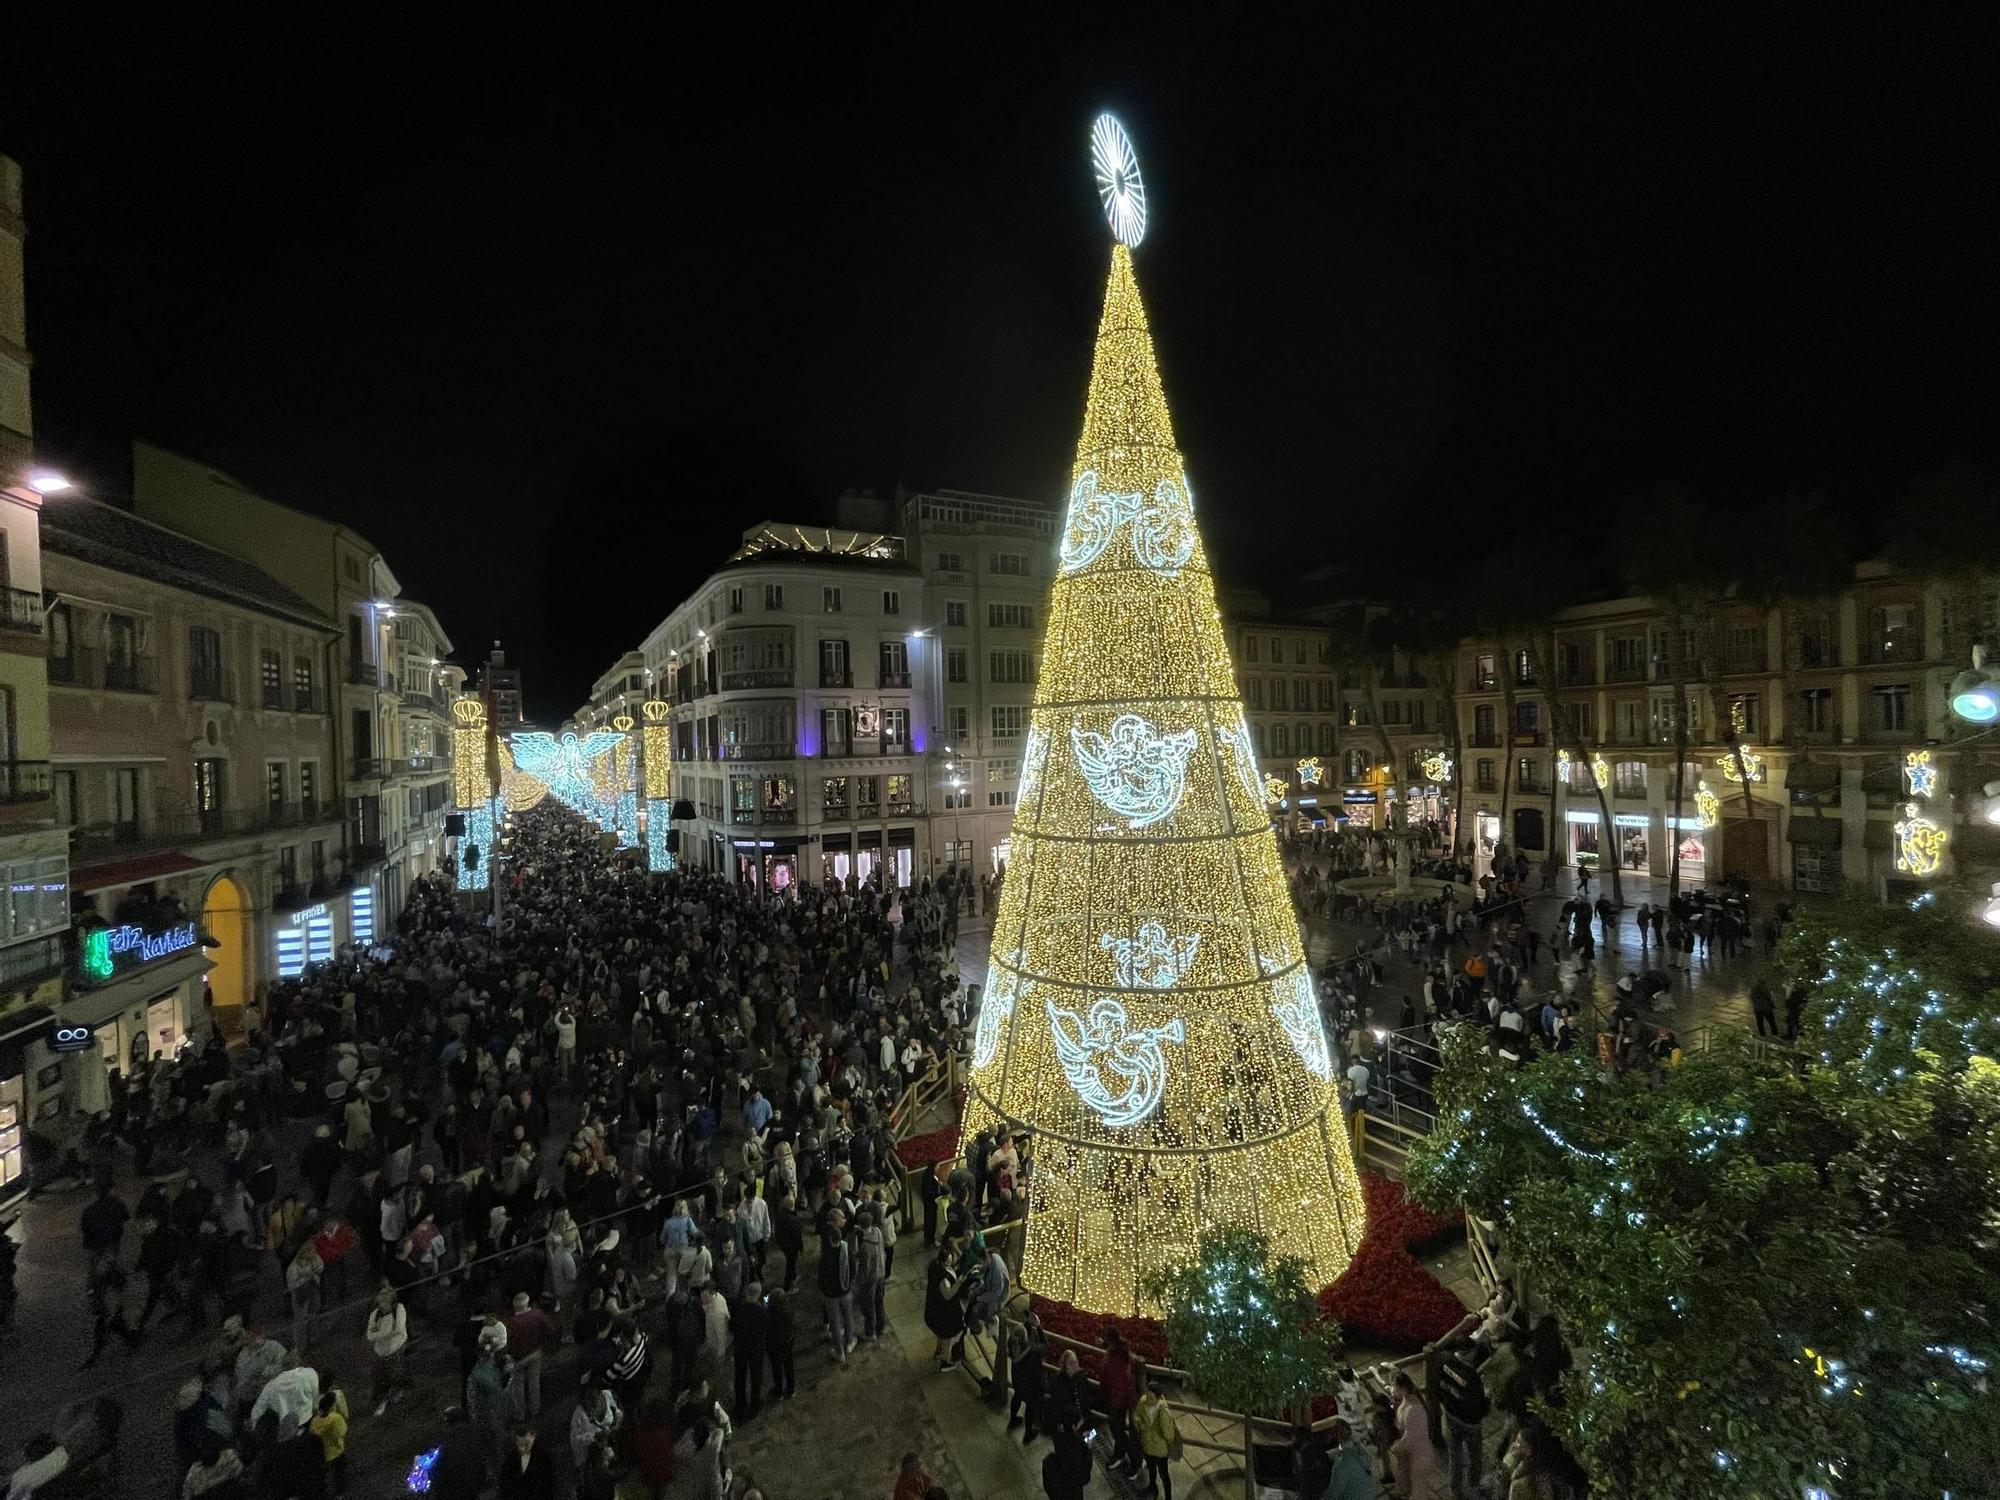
363, 856
89, 668
421, 765
367, 674
419, 698
902, 809
21, 609
204, 687
1816, 651
892, 679
1527, 737
24, 781
193, 827
830, 677
370, 769
756, 677
1743, 661
1625, 671
1577, 674
781, 815
743, 815
272, 697
1483, 740
1906, 644
759, 750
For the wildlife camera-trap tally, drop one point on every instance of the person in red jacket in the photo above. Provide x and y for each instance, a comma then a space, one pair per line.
1119, 1381
336, 1242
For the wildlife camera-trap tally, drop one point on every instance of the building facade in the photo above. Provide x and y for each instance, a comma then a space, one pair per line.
618, 691
500, 685
389, 837
191, 716
34, 849
800, 726
1841, 707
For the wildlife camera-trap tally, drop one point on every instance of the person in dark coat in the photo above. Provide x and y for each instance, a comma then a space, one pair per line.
778, 1344
462, 1461
747, 1318
525, 1471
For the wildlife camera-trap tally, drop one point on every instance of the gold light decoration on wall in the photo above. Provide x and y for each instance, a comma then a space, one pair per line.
656, 739
1149, 1015
1753, 765
1436, 766
469, 783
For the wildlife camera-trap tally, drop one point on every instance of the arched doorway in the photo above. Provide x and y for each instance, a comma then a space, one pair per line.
225, 916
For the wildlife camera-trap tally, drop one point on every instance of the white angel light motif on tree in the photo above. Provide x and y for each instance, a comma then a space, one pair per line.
996, 1008
1299, 1014
1162, 529
1136, 771
1150, 960
1119, 1071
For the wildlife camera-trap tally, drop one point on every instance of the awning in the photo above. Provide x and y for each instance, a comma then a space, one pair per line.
1812, 776
1819, 833
95, 1007
1877, 833
1885, 778
17, 1029
134, 871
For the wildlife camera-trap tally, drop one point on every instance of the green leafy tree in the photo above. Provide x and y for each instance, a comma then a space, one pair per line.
1774, 1277
1245, 1325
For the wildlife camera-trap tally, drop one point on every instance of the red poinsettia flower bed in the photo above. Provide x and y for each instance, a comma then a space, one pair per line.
1147, 1338
1386, 1298
921, 1151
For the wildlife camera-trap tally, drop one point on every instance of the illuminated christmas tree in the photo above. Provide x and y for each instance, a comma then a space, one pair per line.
1148, 1013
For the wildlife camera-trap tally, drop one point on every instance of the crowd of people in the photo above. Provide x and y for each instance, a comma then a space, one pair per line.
594, 1138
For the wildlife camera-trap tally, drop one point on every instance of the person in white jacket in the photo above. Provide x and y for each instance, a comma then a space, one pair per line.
292, 1396
388, 1336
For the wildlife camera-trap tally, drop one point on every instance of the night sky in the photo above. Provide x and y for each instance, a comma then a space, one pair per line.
552, 315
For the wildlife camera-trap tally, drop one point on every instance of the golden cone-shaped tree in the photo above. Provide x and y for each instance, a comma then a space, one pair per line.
1148, 1012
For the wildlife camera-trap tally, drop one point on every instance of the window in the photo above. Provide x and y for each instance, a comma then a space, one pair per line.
892, 602
1326, 695
895, 726
1301, 694
1528, 773
957, 801
1417, 714
1819, 641
895, 664
272, 676
1628, 778
66, 799
833, 794
868, 792
62, 644
736, 600
899, 792
1889, 706
1280, 740
208, 798
958, 722
1010, 666
318, 858
1524, 668
1298, 653
1357, 765
204, 664
302, 683
1011, 564
774, 596
1628, 658
1572, 665
1483, 720
954, 611
829, 599
950, 562
1000, 778
1326, 739
1249, 648
1527, 718
742, 799
308, 786
1010, 721
1483, 776
1582, 718
1743, 714
1628, 716
274, 784
1816, 710
1010, 616
1253, 692
956, 663
1893, 634
1743, 648
1277, 651
1483, 675
833, 664
835, 733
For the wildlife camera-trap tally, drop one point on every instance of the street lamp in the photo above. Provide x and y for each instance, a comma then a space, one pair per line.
1991, 914
49, 482
1975, 695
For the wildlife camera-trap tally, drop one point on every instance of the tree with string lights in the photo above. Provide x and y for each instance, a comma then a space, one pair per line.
1779, 1276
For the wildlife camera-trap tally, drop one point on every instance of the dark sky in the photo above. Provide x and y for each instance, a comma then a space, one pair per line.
552, 314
